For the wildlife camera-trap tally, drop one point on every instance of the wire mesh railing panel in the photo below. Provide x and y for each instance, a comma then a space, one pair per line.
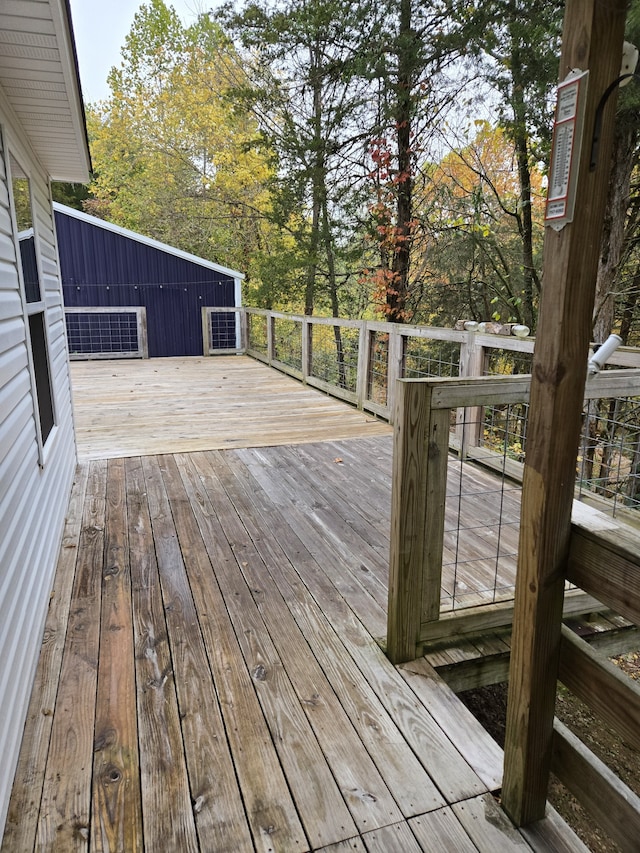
377, 384
609, 451
222, 330
103, 334
334, 355
502, 362
482, 516
504, 429
287, 342
424, 358
505, 426
257, 336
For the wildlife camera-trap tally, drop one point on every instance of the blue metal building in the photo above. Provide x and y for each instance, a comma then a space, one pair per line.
104, 265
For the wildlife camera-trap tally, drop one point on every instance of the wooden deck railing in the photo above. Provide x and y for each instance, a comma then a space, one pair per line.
114, 332
604, 566
421, 455
360, 362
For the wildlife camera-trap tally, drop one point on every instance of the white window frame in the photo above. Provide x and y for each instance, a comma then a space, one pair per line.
31, 308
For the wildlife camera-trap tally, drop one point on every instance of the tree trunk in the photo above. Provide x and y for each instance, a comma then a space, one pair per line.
398, 286
630, 303
317, 182
530, 280
333, 291
614, 231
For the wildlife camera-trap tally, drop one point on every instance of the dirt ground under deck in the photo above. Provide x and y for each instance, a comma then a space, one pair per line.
489, 705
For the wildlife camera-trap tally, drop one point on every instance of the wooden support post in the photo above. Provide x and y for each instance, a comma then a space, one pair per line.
421, 441
363, 362
271, 338
469, 418
593, 36
395, 361
307, 347
206, 334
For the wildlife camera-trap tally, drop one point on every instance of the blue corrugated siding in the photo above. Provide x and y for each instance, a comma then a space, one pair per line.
103, 269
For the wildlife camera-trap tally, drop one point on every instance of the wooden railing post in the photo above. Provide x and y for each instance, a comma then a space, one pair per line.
395, 359
307, 345
469, 418
271, 334
363, 362
421, 442
206, 331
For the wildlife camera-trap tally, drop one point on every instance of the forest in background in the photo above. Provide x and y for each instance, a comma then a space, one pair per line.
358, 159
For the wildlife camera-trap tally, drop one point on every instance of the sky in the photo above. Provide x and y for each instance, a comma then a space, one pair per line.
100, 30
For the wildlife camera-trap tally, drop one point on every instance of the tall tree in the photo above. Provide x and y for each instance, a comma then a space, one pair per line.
467, 246
615, 301
173, 157
519, 43
410, 61
305, 86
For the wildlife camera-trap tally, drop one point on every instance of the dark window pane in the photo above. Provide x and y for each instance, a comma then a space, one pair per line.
41, 370
30, 269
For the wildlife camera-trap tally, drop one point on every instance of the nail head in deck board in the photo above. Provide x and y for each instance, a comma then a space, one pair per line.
24, 806
308, 774
442, 761
166, 804
409, 783
352, 845
365, 793
66, 795
116, 812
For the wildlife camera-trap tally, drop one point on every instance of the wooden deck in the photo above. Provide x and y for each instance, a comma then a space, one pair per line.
169, 405
211, 677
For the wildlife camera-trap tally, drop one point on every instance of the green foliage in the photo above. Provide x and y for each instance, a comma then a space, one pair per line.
173, 158
73, 195
349, 156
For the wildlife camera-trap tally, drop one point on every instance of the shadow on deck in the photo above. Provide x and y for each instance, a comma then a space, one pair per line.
211, 677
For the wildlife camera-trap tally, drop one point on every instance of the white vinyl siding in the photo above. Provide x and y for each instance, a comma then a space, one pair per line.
34, 483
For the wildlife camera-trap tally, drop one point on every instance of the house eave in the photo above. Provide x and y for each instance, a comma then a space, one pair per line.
40, 82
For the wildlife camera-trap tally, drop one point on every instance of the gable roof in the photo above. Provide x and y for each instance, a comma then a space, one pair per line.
146, 241
41, 86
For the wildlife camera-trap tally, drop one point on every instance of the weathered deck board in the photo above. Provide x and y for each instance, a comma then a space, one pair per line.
307, 773
116, 804
169, 405
159, 720
222, 686
65, 807
266, 714
410, 784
